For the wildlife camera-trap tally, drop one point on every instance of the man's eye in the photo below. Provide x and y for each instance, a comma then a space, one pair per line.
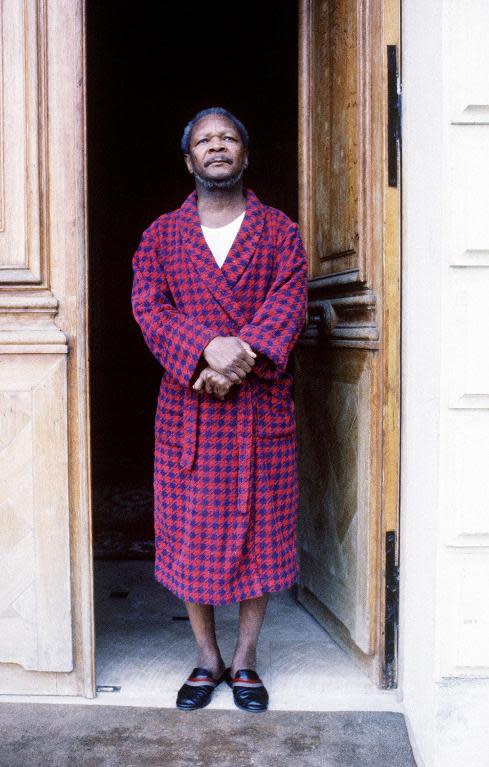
229, 138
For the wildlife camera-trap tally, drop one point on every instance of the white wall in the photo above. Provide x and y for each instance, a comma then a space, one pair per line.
444, 623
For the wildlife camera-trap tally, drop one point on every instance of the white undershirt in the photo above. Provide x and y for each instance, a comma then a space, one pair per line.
221, 238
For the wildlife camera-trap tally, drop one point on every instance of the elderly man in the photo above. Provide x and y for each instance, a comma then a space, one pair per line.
220, 294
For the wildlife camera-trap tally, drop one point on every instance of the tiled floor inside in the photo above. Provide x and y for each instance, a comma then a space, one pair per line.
143, 648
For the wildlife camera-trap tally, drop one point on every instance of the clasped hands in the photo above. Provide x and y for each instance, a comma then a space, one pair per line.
229, 360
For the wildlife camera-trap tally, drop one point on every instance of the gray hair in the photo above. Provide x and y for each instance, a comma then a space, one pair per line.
187, 132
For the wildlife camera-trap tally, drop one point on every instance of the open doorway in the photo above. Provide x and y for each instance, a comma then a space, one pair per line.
148, 72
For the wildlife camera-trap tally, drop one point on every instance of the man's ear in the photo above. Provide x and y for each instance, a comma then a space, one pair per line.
188, 163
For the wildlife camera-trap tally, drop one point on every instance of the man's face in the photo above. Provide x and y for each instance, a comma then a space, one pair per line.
217, 156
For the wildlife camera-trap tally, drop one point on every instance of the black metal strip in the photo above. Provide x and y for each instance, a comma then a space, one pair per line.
391, 610
393, 116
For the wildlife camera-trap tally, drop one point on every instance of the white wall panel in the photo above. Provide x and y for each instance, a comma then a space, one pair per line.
463, 652
465, 490
467, 61
467, 320
444, 639
463, 561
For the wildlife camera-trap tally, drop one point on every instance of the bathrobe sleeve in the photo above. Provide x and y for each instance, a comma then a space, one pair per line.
276, 326
175, 339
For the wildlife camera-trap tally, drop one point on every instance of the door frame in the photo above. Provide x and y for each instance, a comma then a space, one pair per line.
46, 311
388, 514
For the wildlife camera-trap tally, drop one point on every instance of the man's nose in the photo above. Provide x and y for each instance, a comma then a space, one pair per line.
217, 144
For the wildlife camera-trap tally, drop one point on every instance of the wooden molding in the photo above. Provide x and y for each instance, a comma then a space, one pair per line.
27, 323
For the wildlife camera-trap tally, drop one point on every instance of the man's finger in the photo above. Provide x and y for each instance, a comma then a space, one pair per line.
245, 357
234, 377
247, 347
223, 377
240, 372
245, 366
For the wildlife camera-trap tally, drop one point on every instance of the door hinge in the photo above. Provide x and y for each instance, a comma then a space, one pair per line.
394, 110
391, 618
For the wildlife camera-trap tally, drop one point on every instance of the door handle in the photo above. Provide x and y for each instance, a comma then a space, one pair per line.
322, 319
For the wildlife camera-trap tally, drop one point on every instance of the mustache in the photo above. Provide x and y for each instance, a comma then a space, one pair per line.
217, 159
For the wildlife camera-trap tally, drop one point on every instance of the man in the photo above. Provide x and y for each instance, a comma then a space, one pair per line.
220, 294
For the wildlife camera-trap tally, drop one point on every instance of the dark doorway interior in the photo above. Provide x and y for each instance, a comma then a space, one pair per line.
150, 66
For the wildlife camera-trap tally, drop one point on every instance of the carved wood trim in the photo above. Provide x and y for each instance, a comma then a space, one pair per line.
27, 323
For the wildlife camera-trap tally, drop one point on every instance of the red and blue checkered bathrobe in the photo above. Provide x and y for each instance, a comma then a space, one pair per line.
225, 479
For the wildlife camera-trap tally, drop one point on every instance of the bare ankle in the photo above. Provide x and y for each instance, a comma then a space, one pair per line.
243, 659
210, 659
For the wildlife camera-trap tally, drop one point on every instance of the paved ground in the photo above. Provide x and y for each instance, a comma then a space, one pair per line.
35, 735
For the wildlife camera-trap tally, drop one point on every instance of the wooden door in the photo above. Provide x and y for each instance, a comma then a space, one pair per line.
46, 622
347, 361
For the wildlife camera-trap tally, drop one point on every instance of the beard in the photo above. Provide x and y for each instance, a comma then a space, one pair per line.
224, 183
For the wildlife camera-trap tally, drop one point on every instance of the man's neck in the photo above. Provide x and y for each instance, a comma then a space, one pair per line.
218, 207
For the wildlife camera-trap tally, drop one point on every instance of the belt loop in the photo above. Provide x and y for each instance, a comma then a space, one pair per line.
245, 445
190, 419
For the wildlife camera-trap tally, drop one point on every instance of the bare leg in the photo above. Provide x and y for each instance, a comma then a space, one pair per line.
251, 614
203, 626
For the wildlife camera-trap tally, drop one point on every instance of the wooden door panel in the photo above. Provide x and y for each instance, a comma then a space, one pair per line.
35, 599
46, 646
334, 136
339, 143
346, 362
335, 440
22, 192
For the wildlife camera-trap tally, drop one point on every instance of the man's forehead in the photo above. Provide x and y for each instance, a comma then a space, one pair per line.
213, 124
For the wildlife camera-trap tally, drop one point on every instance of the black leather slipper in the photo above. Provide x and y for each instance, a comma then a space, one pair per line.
196, 691
249, 692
